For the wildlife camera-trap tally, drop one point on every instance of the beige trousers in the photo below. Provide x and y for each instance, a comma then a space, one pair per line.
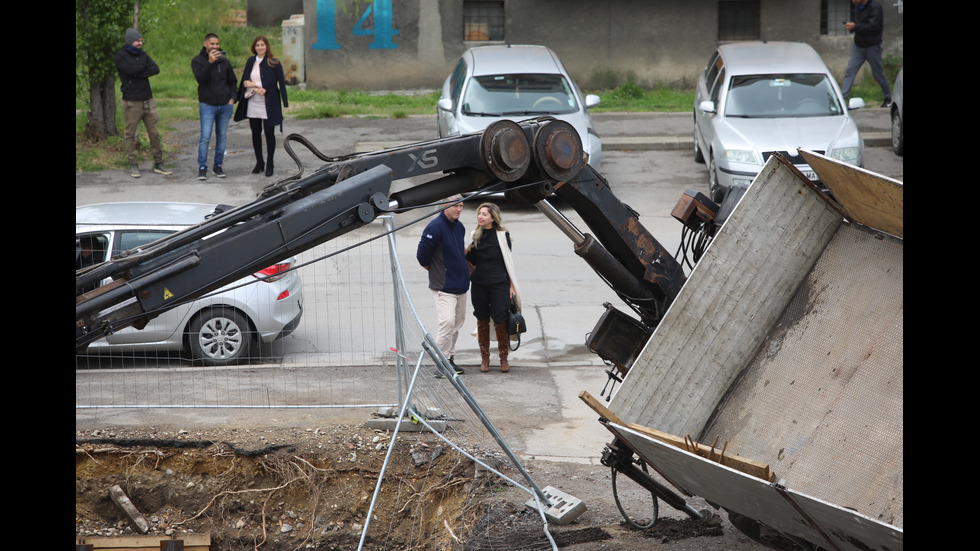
451, 311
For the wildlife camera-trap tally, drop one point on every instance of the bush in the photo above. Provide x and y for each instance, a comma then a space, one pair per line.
628, 91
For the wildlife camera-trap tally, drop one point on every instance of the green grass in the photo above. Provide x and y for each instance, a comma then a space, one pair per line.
174, 32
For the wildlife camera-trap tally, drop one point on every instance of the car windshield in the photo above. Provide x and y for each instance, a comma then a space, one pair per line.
513, 95
773, 96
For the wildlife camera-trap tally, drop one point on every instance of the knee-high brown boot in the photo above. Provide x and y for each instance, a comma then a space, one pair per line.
483, 338
503, 345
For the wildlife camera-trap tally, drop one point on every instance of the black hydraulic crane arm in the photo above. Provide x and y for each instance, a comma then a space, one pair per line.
530, 160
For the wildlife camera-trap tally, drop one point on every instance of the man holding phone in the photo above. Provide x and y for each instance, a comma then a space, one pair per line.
867, 25
217, 89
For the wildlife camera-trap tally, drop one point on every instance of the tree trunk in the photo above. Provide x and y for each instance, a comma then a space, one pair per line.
102, 109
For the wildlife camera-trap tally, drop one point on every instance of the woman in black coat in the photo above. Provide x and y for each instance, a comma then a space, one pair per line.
261, 97
492, 285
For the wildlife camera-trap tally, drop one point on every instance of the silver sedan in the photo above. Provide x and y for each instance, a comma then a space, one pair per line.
490, 83
756, 99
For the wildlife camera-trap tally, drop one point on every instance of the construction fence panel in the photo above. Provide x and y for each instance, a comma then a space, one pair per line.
339, 355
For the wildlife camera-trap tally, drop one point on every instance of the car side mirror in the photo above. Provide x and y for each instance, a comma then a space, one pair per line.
855, 103
707, 106
591, 100
445, 104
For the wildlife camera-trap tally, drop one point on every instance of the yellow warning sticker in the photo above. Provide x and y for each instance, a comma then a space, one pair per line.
167, 295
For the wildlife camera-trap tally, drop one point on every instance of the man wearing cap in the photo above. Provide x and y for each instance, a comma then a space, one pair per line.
217, 89
135, 69
442, 252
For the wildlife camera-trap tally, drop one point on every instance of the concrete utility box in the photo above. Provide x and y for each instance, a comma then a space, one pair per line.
293, 50
785, 347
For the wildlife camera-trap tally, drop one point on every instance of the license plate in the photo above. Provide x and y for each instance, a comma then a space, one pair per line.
810, 174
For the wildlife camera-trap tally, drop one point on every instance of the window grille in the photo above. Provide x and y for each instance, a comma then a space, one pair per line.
833, 13
483, 21
738, 20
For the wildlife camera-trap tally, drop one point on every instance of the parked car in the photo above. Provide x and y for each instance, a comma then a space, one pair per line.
754, 99
514, 82
220, 329
898, 116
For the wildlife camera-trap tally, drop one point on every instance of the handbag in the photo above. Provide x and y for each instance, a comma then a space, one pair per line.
515, 324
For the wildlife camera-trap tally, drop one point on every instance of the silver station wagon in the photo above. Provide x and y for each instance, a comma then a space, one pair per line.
755, 99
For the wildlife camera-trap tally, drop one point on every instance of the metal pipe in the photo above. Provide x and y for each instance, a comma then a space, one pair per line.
563, 223
442, 363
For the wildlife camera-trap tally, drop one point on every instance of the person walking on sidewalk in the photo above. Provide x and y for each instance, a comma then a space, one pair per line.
217, 88
441, 253
868, 25
492, 285
261, 97
135, 68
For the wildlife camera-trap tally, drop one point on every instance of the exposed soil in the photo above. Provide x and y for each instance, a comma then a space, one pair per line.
276, 489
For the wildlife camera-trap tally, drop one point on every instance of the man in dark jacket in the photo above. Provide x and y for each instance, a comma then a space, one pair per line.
868, 25
442, 252
135, 68
216, 91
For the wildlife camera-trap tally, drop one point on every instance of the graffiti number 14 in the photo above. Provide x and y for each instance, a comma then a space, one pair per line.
382, 29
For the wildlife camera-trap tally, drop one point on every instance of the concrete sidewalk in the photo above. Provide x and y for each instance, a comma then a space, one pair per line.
343, 136
670, 131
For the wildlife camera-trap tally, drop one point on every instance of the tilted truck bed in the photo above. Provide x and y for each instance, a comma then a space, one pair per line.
786, 347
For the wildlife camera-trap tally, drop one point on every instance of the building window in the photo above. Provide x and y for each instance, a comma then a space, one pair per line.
833, 13
738, 20
483, 21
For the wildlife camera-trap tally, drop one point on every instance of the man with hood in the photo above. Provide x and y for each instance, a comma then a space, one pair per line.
217, 89
135, 68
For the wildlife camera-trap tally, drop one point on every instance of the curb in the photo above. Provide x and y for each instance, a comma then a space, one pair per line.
635, 143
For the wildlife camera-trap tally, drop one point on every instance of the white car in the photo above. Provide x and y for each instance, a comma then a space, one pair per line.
220, 329
514, 82
754, 99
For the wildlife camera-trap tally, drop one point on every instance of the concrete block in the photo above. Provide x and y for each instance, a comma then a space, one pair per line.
564, 508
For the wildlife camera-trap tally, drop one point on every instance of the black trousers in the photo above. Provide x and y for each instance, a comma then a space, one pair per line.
490, 301
258, 126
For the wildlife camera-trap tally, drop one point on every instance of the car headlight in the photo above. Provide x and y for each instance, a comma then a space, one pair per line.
846, 154
744, 156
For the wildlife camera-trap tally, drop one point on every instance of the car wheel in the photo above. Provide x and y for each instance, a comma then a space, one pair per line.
714, 188
898, 133
698, 156
219, 336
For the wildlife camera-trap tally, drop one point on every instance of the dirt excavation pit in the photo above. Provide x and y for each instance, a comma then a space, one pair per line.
278, 489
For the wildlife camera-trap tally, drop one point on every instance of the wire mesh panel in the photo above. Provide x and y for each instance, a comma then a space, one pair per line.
460, 449
322, 340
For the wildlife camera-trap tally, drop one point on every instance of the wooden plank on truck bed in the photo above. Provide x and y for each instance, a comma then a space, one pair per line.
747, 466
876, 201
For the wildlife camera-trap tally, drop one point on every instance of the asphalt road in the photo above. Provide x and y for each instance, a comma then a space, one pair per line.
564, 296
649, 163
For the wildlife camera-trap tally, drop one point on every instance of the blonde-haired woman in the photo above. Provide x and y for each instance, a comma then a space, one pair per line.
492, 283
